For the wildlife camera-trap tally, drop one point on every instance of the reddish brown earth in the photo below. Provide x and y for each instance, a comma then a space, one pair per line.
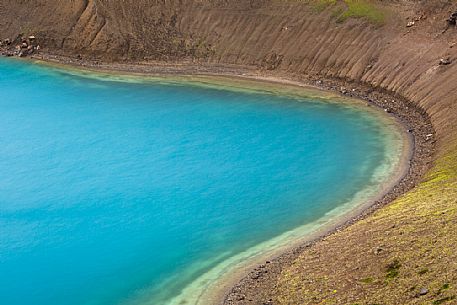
388, 257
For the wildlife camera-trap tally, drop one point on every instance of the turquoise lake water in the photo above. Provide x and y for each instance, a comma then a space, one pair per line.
118, 192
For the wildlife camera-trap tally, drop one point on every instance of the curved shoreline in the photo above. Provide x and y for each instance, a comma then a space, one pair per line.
410, 116
254, 262
417, 123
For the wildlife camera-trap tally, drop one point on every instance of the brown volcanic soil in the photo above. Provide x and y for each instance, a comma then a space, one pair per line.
386, 258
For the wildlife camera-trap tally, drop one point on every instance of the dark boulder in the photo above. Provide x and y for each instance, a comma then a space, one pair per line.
452, 19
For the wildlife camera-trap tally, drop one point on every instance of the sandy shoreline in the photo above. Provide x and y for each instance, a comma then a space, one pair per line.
416, 162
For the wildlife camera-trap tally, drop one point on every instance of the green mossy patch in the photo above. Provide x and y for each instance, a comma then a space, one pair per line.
418, 234
362, 9
345, 9
367, 280
393, 269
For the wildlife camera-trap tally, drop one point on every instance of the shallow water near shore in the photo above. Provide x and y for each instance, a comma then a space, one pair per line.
117, 192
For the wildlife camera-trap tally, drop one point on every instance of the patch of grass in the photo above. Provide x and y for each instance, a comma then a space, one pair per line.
445, 287
367, 280
427, 213
345, 9
362, 9
393, 269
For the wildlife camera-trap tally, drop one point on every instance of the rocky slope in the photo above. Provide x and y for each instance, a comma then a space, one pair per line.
403, 47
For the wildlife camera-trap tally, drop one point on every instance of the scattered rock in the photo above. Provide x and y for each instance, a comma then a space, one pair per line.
423, 291
22, 47
255, 276
452, 20
240, 297
445, 61
410, 24
378, 250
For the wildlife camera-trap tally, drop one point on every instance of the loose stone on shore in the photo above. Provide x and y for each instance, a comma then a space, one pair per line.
21, 46
445, 61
